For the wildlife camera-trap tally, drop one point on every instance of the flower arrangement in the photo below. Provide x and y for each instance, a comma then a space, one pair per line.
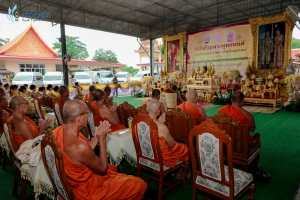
136, 83
293, 80
232, 74
147, 79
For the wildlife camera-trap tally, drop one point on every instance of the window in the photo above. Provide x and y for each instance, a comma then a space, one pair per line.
106, 75
32, 68
121, 75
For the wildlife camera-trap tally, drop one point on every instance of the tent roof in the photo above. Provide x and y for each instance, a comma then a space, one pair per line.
151, 18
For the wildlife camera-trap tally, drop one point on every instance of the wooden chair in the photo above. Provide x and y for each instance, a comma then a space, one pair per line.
149, 155
93, 118
126, 111
179, 124
210, 174
17, 163
120, 113
246, 148
54, 165
58, 110
37, 105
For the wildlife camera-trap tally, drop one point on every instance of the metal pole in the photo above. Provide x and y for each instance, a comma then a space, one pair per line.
151, 57
64, 54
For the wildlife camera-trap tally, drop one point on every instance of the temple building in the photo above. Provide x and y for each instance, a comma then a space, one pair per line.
29, 53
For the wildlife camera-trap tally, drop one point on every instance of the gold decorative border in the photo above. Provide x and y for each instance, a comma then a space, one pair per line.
255, 23
180, 36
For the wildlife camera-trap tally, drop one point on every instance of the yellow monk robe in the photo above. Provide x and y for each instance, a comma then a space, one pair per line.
112, 127
90, 186
191, 109
170, 155
235, 113
56, 94
19, 139
14, 93
79, 89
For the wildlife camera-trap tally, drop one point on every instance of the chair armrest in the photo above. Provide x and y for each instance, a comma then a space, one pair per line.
254, 139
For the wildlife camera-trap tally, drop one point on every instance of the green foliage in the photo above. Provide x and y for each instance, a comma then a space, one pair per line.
220, 100
162, 49
294, 106
74, 47
295, 43
139, 93
130, 69
12, 76
105, 56
3, 41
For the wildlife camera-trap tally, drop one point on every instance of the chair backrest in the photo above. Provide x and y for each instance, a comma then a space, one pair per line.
171, 99
7, 128
58, 110
54, 165
179, 124
125, 103
146, 142
207, 143
38, 107
126, 111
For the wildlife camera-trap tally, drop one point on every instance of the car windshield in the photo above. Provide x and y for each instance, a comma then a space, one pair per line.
106, 75
22, 78
52, 78
121, 75
139, 75
83, 77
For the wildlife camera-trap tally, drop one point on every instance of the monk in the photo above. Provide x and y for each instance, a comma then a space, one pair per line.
179, 99
90, 176
236, 110
156, 96
89, 96
191, 106
108, 101
4, 110
105, 113
63, 94
23, 127
171, 150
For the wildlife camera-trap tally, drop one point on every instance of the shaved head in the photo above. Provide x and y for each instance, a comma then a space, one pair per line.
98, 95
72, 109
153, 106
14, 101
63, 89
237, 97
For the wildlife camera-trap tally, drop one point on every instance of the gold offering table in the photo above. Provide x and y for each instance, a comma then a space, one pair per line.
275, 102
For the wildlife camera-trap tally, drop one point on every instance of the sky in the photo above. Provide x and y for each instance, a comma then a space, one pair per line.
122, 45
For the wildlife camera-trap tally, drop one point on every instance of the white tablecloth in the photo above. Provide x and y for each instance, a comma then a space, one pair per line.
39, 179
120, 146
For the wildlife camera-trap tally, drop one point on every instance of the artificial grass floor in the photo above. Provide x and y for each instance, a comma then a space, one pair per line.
279, 156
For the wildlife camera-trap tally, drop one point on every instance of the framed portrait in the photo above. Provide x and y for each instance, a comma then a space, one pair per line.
271, 43
173, 52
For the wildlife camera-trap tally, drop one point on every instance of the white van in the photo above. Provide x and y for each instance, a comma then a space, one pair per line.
105, 77
123, 77
139, 76
29, 78
82, 78
54, 78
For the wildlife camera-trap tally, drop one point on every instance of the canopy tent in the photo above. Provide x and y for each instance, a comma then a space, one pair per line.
149, 18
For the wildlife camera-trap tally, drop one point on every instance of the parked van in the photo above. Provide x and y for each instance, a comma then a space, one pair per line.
123, 77
29, 78
139, 76
82, 78
105, 77
54, 78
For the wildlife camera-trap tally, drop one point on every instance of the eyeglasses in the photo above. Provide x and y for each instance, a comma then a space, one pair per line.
83, 114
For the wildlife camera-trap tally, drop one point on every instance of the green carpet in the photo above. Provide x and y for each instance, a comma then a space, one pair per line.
279, 156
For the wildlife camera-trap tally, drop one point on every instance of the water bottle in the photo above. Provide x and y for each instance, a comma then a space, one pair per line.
129, 122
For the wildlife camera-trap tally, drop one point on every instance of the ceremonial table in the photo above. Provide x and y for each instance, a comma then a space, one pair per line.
120, 146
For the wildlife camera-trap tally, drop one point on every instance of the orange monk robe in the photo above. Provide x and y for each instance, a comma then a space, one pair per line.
191, 109
87, 97
90, 186
62, 101
235, 113
34, 128
112, 127
178, 152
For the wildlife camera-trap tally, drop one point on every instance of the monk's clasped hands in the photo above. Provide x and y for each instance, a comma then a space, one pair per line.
102, 130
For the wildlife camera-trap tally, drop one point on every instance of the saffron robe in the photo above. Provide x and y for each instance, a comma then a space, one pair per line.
112, 127
170, 155
86, 97
19, 139
235, 113
191, 109
62, 101
87, 185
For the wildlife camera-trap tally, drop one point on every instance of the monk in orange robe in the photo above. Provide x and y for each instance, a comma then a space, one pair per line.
191, 107
89, 96
105, 113
171, 150
23, 127
64, 94
4, 110
90, 176
156, 95
236, 111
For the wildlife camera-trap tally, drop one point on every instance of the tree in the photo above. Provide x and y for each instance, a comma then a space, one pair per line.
74, 47
3, 41
130, 69
105, 56
295, 43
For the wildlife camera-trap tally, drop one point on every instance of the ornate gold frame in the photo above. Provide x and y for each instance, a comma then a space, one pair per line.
180, 36
255, 23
